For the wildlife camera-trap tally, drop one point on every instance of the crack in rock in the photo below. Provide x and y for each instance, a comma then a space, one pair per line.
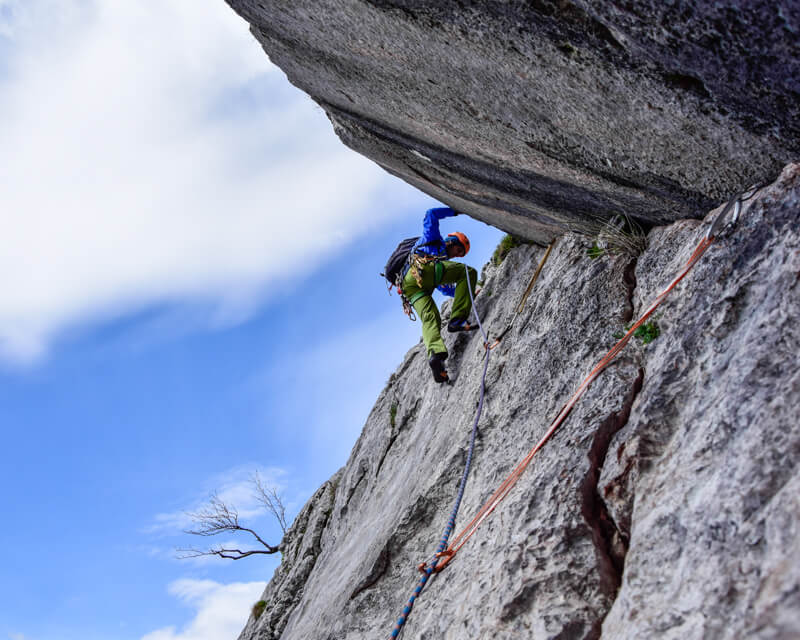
376, 572
629, 280
408, 417
610, 543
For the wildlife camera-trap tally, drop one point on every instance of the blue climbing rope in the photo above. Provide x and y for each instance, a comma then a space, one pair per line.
428, 568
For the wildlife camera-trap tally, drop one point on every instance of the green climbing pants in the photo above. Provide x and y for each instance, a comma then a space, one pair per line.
434, 274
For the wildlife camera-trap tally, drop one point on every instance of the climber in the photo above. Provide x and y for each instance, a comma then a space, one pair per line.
429, 268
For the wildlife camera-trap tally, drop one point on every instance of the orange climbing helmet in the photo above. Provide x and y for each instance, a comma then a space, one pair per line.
460, 238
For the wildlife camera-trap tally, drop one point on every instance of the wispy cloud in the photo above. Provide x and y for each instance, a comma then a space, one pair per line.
152, 154
234, 487
221, 609
341, 381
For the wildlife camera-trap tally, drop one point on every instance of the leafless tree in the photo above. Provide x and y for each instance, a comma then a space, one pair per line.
268, 496
218, 517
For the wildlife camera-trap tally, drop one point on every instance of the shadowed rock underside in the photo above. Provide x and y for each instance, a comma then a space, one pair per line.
551, 115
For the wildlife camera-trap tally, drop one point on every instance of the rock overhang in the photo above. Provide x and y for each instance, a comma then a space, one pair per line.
540, 117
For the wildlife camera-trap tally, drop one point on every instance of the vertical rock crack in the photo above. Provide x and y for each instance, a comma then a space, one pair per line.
610, 543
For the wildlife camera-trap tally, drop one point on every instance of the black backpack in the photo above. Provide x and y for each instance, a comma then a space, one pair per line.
394, 266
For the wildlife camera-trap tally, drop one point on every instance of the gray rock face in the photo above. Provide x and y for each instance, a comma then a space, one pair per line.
665, 506
706, 469
300, 549
540, 116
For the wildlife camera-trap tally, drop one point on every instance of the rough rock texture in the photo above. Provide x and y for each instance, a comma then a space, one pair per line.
300, 548
667, 504
706, 469
543, 115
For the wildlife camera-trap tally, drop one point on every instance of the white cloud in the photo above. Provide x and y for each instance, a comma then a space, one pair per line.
234, 487
151, 153
221, 610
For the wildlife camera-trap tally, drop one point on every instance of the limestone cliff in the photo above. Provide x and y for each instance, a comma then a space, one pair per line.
538, 116
666, 506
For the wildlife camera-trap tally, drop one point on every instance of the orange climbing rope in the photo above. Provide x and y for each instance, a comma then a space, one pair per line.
506, 486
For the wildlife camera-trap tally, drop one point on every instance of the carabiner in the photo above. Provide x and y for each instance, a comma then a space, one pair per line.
734, 203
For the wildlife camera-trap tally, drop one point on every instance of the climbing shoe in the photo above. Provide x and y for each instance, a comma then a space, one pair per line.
437, 366
460, 324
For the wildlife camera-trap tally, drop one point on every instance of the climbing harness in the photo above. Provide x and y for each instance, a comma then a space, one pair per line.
415, 263
446, 552
433, 565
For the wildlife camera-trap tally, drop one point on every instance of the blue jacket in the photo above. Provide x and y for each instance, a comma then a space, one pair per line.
434, 243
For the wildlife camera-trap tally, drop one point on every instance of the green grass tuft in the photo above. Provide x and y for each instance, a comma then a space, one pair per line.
648, 332
567, 47
393, 413
595, 252
620, 235
258, 608
506, 245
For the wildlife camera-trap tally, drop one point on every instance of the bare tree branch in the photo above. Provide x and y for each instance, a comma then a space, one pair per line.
218, 517
232, 554
268, 496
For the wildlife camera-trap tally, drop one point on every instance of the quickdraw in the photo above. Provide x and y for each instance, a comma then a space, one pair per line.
408, 309
734, 203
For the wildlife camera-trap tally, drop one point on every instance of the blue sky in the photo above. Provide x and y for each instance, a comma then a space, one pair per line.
188, 269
